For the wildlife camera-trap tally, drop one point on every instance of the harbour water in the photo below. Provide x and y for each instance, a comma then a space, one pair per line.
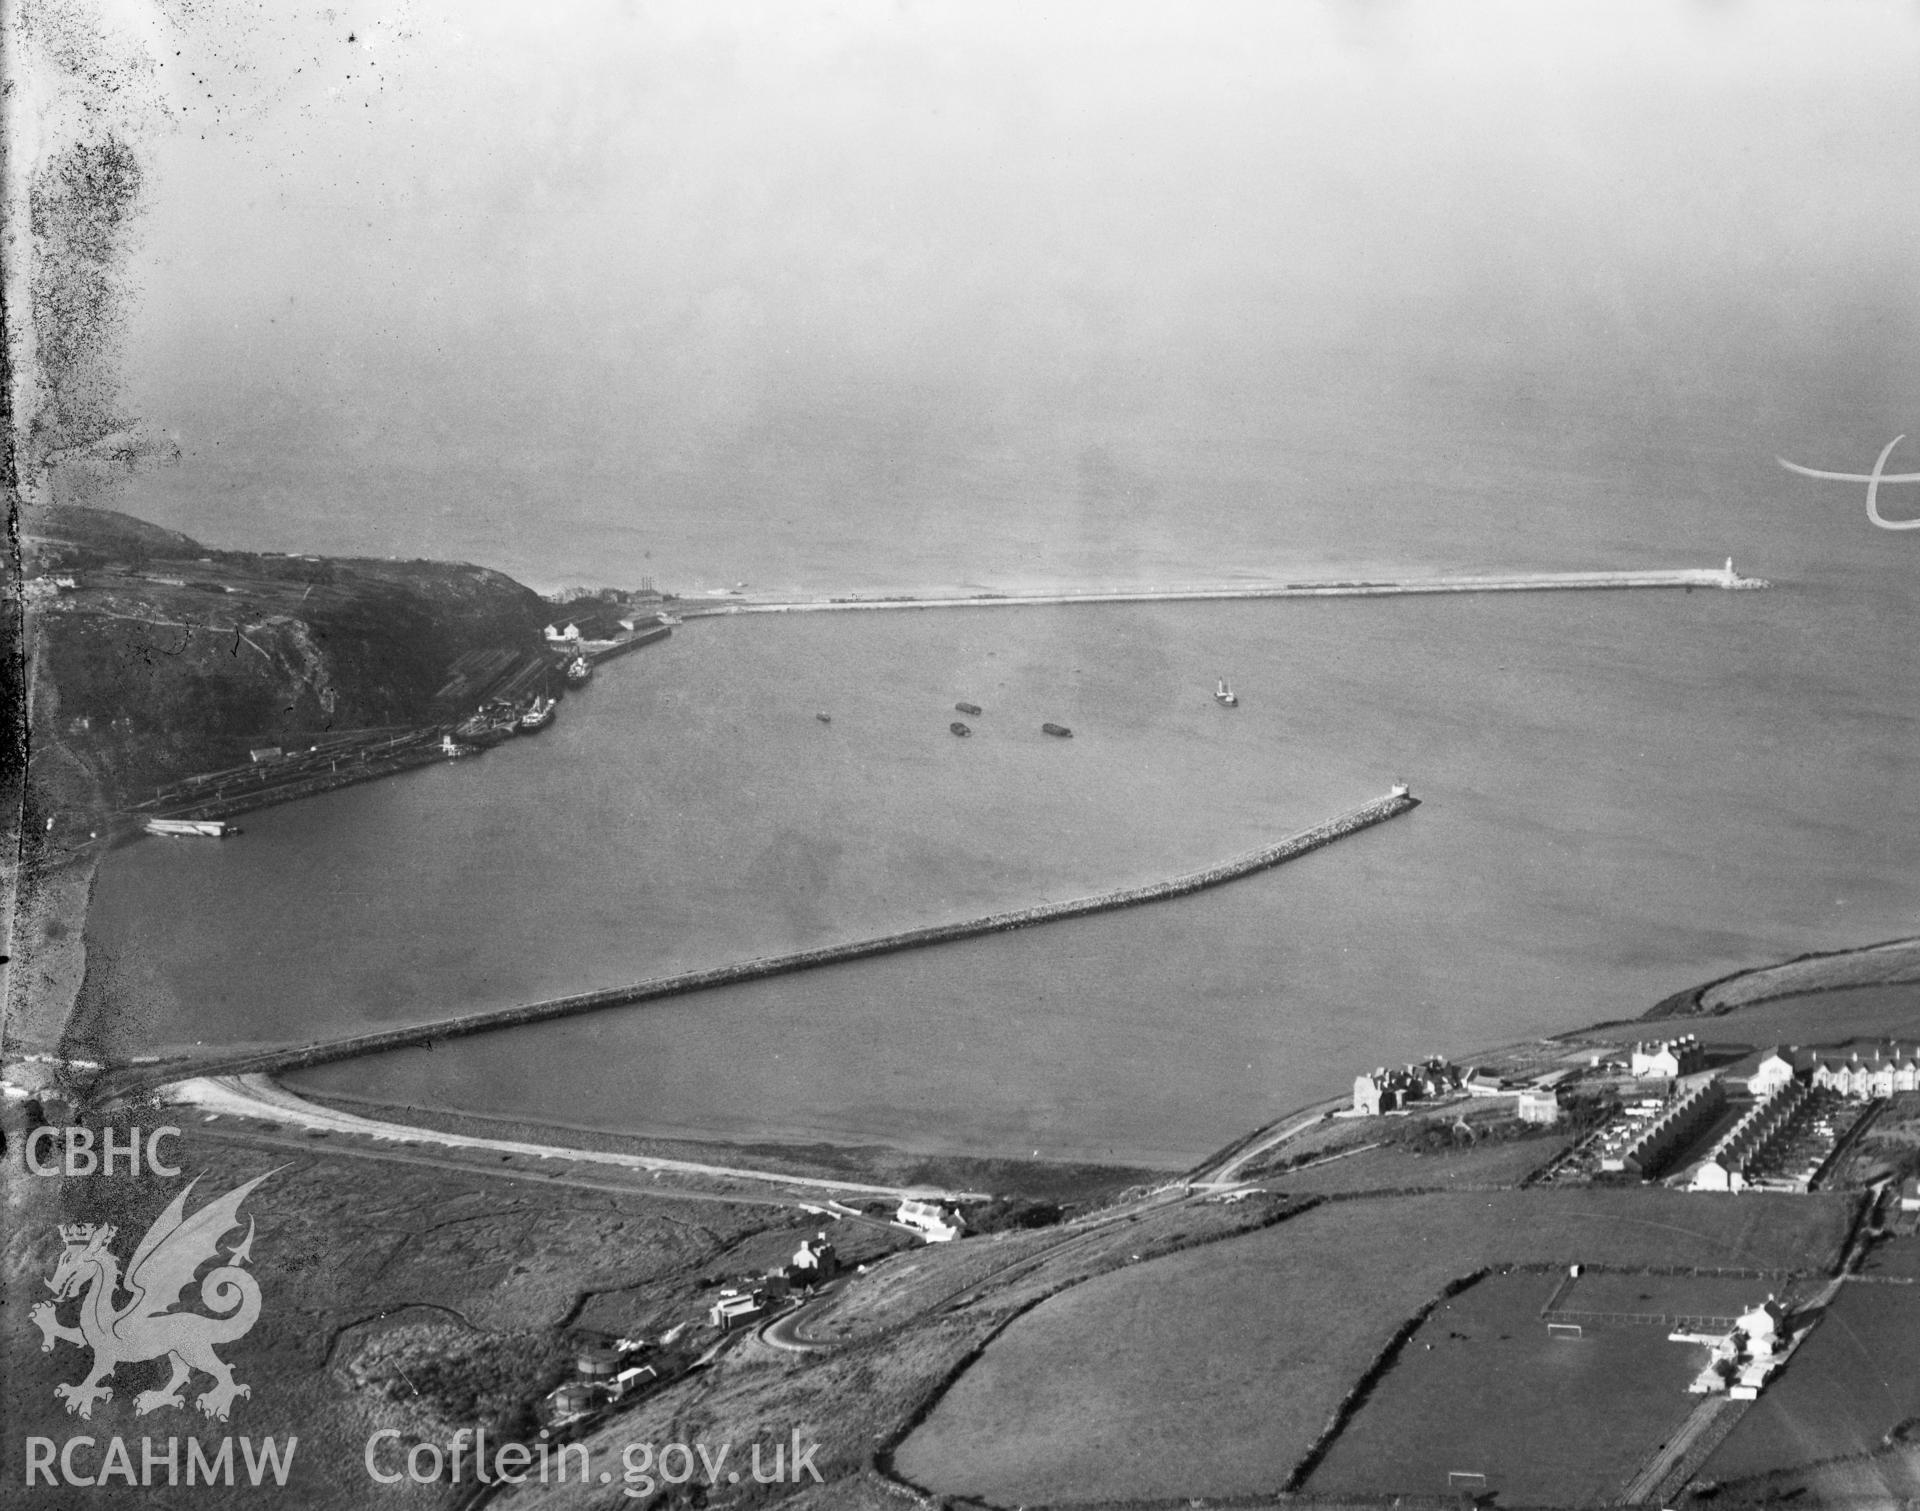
1443, 290
1621, 794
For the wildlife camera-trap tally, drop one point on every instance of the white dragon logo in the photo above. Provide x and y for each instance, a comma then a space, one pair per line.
146, 1327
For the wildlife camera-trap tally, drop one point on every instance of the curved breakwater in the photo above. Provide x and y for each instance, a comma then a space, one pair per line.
1378, 811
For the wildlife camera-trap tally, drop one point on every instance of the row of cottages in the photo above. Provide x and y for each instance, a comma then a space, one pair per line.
1384, 1090
1879, 1074
1676, 1124
1667, 1058
1742, 1145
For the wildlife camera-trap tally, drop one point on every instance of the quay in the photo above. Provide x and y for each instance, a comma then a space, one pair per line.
145, 1077
1724, 577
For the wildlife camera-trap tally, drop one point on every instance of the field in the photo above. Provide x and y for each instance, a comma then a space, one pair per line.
1482, 1387
1670, 1295
1850, 1383
1391, 1169
392, 1296
1212, 1372
1898, 962
1829, 1017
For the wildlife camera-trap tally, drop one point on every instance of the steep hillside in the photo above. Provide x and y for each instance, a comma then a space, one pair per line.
156, 657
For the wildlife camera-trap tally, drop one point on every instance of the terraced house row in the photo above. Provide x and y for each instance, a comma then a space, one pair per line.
1881, 1073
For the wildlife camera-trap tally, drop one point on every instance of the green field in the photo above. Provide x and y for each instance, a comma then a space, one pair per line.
1211, 1372
1391, 1169
1827, 1017
1481, 1387
1852, 1380
1672, 1295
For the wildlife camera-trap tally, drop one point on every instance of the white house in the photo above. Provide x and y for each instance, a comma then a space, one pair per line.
1773, 1072
1538, 1106
931, 1220
1668, 1058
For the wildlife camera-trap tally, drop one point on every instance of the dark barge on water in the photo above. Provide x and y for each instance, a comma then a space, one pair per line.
1059, 730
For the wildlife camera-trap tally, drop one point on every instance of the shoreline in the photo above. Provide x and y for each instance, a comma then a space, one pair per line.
815, 1164
261, 1098
872, 1161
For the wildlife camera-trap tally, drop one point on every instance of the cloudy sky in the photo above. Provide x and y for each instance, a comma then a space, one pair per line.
437, 260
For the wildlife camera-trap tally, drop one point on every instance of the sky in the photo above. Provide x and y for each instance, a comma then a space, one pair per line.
406, 271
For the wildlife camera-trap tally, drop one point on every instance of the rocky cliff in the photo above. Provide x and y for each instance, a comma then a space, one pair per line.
154, 657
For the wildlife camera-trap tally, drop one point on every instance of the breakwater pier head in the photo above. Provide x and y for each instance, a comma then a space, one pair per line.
130, 1081
1724, 577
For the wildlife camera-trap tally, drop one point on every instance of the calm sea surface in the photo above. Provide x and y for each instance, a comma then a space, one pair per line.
1431, 318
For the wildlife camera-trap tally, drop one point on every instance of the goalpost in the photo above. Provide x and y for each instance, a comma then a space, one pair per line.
1563, 1330
1466, 1481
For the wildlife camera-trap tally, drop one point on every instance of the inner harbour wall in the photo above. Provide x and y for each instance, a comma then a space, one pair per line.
1378, 811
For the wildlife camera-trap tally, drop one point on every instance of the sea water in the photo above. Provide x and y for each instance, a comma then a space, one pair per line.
1450, 290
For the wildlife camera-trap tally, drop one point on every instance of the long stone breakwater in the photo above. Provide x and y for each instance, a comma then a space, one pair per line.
135, 1079
1523, 582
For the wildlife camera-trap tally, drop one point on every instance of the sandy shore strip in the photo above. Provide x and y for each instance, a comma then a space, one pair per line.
255, 1096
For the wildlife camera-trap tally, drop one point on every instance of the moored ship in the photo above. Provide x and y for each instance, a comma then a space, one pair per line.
578, 670
198, 828
539, 715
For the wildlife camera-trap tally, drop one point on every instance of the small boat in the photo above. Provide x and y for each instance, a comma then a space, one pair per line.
539, 715
824, 718
972, 710
960, 729
1060, 730
1225, 695
578, 670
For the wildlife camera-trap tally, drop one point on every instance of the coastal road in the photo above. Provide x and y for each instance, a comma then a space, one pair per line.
1226, 1172
260, 1099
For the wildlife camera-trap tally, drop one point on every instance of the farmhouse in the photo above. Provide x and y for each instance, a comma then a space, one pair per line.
1740, 1362
931, 1220
814, 1261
